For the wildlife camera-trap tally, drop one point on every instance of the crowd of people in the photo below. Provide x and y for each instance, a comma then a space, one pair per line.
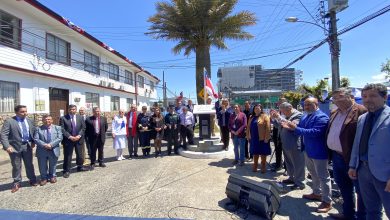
86, 136
354, 139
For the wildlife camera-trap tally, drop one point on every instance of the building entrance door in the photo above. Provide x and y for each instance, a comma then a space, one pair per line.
59, 101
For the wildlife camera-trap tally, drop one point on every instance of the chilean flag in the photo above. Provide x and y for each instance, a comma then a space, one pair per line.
208, 85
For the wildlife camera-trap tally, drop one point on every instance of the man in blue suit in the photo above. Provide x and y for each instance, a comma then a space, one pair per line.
370, 157
312, 127
48, 138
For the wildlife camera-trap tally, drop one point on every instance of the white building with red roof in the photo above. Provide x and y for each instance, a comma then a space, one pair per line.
47, 63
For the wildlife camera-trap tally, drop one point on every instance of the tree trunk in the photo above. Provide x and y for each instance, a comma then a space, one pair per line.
202, 61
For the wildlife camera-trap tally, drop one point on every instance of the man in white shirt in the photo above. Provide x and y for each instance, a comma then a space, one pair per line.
187, 123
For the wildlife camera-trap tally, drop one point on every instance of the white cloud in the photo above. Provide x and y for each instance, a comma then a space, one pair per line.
381, 77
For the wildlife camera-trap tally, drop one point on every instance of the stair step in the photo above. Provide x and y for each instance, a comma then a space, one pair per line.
202, 148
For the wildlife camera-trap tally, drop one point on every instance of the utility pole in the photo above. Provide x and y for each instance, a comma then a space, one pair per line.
334, 50
164, 91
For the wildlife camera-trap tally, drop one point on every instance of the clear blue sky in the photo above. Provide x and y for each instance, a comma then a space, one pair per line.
122, 23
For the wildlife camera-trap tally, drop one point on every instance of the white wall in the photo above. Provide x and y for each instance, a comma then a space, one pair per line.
35, 25
34, 88
237, 77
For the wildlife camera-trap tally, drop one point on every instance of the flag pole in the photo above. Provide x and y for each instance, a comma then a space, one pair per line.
204, 85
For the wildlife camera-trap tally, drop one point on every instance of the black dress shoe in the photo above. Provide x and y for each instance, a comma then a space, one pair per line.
66, 175
135, 155
92, 167
102, 165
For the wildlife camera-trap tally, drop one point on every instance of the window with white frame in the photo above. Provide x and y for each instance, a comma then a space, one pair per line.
115, 106
39, 100
151, 85
128, 77
10, 30
141, 81
9, 96
113, 71
129, 102
57, 49
91, 63
91, 100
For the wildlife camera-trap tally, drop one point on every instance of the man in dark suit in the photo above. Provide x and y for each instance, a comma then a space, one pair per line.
96, 128
17, 139
247, 111
277, 142
370, 163
73, 128
340, 134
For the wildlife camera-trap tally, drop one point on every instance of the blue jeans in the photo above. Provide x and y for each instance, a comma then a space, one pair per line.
47, 173
373, 193
239, 148
347, 188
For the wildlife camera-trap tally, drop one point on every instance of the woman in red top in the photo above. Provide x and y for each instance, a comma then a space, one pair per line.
237, 126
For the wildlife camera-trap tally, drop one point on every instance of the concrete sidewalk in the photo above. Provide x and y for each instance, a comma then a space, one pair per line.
163, 187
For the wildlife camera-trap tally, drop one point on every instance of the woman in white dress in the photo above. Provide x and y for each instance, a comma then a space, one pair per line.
119, 133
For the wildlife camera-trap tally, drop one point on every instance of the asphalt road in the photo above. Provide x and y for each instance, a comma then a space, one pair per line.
163, 187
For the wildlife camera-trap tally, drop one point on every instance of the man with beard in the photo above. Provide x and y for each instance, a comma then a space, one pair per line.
370, 163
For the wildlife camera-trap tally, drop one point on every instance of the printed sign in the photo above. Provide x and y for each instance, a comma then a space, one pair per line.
204, 109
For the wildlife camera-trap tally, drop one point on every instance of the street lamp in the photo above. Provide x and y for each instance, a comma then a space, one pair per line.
333, 45
295, 19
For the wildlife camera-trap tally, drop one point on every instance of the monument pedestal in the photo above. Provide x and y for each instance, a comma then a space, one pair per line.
204, 126
205, 146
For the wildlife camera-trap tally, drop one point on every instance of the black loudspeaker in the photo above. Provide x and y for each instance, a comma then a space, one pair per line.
261, 197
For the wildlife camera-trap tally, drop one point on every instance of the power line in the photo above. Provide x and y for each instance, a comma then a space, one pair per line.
315, 20
344, 30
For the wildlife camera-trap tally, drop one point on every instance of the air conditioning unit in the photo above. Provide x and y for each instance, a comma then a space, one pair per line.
122, 87
110, 85
103, 83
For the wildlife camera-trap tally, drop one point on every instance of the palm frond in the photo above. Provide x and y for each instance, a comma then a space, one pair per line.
199, 22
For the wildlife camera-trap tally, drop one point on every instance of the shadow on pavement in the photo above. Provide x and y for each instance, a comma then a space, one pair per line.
245, 170
297, 208
8, 186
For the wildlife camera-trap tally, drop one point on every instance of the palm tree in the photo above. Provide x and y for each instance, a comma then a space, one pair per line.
197, 25
386, 69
